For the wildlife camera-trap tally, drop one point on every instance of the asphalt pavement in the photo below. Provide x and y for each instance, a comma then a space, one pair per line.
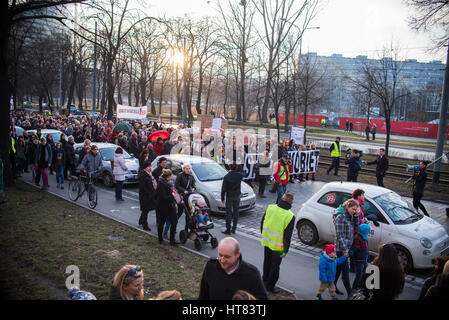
299, 269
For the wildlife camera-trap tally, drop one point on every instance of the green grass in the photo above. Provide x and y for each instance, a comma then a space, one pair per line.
43, 234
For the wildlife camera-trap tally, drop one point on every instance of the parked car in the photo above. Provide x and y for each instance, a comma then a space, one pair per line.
418, 238
107, 151
19, 130
208, 177
56, 134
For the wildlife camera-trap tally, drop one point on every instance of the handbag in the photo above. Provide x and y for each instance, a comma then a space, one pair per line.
177, 197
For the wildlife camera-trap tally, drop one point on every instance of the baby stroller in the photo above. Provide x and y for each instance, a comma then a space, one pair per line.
198, 234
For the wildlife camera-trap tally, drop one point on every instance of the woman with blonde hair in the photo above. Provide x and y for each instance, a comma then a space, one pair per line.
168, 295
127, 284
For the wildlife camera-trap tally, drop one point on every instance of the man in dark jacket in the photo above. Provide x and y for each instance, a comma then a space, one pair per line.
277, 229
226, 274
231, 191
69, 157
381, 166
354, 165
420, 177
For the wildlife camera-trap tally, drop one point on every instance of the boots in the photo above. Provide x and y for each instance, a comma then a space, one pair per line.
143, 221
347, 285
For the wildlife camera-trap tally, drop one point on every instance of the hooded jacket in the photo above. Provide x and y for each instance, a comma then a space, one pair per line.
216, 284
328, 267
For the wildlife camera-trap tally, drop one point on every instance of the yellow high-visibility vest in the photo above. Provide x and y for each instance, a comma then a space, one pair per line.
336, 152
12, 145
282, 173
275, 222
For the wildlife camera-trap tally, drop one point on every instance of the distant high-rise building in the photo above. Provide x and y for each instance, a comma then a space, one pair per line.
422, 82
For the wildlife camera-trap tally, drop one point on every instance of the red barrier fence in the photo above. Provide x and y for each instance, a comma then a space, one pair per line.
417, 129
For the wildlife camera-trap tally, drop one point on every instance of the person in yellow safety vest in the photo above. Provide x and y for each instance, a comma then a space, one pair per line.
277, 228
281, 174
323, 122
335, 150
12, 157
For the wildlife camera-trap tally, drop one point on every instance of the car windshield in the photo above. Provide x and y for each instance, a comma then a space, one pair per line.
208, 171
108, 153
397, 209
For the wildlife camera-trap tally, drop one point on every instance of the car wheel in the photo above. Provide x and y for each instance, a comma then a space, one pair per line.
307, 232
108, 180
405, 258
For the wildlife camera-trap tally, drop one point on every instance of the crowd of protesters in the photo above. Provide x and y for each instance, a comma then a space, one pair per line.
228, 276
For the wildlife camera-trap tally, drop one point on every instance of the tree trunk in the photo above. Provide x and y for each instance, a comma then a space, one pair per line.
200, 89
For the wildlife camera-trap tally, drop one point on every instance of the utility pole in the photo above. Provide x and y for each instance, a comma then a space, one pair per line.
94, 96
442, 124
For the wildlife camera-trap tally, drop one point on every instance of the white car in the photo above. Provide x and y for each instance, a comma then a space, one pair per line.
418, 238
56, 134
208, 177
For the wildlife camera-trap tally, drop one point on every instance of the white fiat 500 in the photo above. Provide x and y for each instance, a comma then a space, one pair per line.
418, 238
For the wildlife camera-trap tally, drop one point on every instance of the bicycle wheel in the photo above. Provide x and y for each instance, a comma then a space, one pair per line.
74, 189
92, 197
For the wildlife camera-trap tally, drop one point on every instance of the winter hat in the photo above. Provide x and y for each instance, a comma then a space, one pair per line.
201, 203
329, 248
364, 229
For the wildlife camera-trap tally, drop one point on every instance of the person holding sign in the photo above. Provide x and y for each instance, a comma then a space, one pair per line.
281, 172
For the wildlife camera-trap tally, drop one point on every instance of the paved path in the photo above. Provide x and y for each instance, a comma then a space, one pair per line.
299, 270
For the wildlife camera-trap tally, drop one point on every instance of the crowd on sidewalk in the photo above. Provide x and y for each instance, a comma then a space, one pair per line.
225, 276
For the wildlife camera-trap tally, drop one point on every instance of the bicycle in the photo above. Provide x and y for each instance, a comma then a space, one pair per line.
84, 182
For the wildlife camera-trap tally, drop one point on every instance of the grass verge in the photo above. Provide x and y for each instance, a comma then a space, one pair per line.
43, 234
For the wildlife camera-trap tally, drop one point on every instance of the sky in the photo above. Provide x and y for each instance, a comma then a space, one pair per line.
347, 27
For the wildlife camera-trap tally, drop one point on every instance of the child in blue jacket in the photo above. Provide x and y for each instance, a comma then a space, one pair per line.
328, 268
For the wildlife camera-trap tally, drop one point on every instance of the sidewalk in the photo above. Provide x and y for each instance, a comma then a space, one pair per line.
299, 270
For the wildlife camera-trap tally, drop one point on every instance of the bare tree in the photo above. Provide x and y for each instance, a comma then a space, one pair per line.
431, 14
382, 78
278, 20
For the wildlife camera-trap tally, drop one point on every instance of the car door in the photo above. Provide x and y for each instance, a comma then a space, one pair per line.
375, 235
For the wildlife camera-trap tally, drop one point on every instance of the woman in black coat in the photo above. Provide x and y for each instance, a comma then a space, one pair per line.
166, 206
147, 194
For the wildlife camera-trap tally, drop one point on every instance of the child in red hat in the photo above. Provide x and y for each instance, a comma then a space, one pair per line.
328, 268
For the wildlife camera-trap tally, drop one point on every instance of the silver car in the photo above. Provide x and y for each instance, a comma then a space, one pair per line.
56, 134
107, 151
208, 177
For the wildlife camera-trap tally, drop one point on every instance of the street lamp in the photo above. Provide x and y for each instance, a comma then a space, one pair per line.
296, 75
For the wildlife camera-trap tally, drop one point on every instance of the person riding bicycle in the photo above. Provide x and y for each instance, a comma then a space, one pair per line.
92, 163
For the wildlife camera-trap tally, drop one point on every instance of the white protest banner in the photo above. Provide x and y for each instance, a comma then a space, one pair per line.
216, 124
304, 161
128, 112
297, 135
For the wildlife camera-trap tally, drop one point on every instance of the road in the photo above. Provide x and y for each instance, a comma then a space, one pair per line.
299, 270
